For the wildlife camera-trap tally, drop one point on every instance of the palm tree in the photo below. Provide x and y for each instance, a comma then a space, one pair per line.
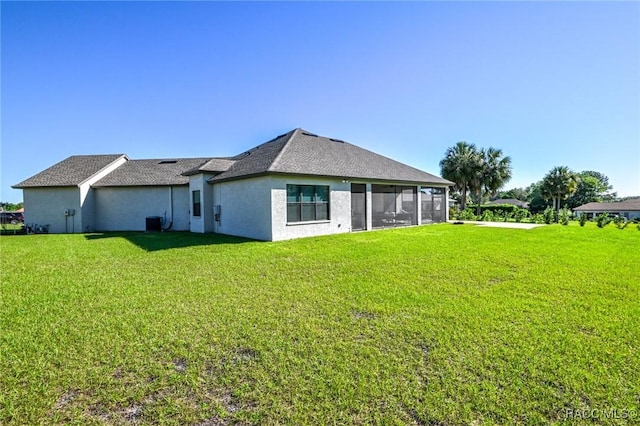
492, 173
460, 165
558, 185
497, 170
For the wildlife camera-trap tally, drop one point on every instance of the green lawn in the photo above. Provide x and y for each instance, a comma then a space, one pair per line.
437, 325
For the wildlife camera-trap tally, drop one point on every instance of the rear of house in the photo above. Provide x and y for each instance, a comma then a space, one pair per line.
295, 185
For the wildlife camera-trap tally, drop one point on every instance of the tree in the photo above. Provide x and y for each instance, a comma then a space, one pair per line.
593, 187
10, 207
497, 170
480, 172
558, 185
492, 172
537, 203
460, 165
521, 194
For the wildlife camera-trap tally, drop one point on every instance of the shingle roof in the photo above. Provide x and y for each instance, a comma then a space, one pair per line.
512, 201
151, 172
70, 172
303, 153
628, 205
215, 165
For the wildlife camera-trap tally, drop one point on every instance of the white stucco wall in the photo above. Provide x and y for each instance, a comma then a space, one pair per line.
46, 206
257, 207
245, 208
126, 208
339, 208
204, 222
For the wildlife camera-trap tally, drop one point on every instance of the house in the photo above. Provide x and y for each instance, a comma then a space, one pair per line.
629, 208
297, 184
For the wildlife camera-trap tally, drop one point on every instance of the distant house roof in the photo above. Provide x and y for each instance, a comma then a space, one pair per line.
70, 172
512, 201
300, 152
619, 206
154, 172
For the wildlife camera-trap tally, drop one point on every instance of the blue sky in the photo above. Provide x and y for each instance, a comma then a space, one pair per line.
552, 83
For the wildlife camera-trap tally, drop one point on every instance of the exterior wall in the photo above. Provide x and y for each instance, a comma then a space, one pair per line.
257, 207
339, 208
204, 222
126, 208
245, 208
46, 206
87, 196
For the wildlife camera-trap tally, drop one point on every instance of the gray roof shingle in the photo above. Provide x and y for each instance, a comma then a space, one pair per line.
303, 153
296, 152
619, 206
155, 172
512, 201
215, 165
70, 172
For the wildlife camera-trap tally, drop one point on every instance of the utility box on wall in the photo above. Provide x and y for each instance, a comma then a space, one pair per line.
69, 212
153, 223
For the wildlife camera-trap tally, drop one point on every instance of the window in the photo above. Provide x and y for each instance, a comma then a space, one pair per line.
307, 203
196, 203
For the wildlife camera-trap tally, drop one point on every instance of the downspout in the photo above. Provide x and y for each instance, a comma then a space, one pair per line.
170, 208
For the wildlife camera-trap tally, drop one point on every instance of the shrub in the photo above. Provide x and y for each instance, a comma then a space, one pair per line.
496, 207
602, 220
564, 215
467, 214
621, 222
537, 218
487, 216
520, 215
454, 211
583, 219
549, 215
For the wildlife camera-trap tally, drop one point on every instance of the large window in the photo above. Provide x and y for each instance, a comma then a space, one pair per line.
307, 203
196, 203
393, 205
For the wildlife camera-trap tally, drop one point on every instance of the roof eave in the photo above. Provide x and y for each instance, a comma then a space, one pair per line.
133, 185
19, 186
214, 179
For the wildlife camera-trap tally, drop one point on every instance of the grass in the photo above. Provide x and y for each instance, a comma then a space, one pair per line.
439, 324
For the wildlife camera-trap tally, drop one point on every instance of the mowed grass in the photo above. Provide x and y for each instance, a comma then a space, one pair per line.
441, 324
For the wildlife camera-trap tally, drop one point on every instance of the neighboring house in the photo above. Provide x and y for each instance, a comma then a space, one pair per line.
297, 184
629, 209
511, 201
